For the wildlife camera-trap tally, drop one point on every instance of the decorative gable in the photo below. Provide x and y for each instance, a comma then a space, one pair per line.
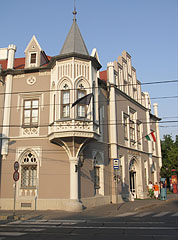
34, 55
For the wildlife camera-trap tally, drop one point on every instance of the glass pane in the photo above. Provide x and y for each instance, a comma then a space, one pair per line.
34, 120
65, 97
35, 113
27, 121
27, 104
27, 113
81, 111
35, 104
66, 110
81, 94
33, 58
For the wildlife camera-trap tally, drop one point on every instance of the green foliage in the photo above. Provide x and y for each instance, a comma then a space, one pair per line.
169, 150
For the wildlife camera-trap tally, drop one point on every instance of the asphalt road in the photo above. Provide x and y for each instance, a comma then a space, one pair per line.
153, 223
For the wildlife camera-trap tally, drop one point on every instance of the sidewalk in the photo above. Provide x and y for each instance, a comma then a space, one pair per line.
110, 210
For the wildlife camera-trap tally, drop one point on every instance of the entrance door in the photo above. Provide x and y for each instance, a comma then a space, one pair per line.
133, 183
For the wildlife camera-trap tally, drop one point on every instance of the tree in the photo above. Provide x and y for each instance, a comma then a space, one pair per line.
169, 150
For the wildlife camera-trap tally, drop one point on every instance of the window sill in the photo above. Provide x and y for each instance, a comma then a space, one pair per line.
28, 188
30, 126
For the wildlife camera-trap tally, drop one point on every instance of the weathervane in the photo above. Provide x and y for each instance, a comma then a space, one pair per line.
74, 12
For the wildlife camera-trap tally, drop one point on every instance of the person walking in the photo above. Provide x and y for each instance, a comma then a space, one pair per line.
156, 190
150, 189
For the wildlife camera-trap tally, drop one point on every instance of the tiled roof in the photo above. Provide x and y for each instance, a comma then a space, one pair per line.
19, 63
103, 75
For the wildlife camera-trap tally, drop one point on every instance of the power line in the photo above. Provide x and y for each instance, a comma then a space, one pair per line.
100, 101
93, 87
83, 123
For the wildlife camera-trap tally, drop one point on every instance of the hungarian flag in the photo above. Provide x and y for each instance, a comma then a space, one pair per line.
83, 100
152, 137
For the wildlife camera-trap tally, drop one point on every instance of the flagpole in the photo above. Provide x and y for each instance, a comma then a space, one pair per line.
142, 138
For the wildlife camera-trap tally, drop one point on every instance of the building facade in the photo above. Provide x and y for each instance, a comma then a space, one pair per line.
66, 154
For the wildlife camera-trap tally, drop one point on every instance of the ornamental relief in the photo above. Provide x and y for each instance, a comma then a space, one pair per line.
30, 132
75, 70
31, 80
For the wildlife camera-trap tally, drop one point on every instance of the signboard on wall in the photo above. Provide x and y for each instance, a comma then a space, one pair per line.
116, 163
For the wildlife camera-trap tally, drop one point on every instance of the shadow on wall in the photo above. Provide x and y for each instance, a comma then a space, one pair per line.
125, 192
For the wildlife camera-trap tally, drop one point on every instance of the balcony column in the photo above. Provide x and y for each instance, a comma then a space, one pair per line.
75, 205
73, 177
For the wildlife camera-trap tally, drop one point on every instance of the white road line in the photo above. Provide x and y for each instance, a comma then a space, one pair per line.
143, 214
122, 227
161, 214
12, 234
175, 215
125, 214
33, 230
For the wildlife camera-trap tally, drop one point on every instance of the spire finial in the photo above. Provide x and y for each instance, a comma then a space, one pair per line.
74, 12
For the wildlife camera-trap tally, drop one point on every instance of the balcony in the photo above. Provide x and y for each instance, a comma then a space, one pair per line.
74, 128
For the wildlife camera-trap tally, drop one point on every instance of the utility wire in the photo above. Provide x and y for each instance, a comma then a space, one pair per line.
102, 101
83, 123
93, 87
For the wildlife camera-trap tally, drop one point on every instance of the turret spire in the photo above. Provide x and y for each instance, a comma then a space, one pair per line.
74, 42
74, 12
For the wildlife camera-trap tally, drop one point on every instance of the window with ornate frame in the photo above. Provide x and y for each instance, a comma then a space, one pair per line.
30, 112
29, 171
125, 124
139, 135
65, 102
132, 125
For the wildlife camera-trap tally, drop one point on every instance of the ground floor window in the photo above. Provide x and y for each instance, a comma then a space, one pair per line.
29, 171
97, 177
29, 176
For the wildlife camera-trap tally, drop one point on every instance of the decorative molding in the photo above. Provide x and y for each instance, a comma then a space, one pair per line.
30, 132
44, 73
19, 76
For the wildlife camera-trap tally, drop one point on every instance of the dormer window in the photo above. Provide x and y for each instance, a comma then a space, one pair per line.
33, 58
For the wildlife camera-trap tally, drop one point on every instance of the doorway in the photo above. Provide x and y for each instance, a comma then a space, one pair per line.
133, 183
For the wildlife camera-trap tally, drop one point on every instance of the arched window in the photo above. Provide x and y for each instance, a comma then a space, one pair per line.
65, 102
29, 171
81, 108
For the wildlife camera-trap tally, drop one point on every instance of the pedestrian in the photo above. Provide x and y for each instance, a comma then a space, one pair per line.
150, 189
156, 190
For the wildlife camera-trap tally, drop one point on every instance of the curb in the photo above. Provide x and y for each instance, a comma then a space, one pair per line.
154, 204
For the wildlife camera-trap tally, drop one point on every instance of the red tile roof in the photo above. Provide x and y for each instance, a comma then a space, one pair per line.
19, 63
103, 75
4, 64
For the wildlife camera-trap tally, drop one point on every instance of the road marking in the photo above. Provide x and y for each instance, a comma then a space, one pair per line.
175, 215
12, 234
161, 214
33, 230
122, 227
143, 214
125, 214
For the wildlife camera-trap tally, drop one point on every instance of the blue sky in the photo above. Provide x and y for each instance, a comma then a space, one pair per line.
146, 29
